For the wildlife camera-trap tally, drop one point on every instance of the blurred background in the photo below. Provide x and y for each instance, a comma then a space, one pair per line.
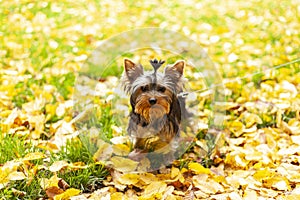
237, 35
44, 44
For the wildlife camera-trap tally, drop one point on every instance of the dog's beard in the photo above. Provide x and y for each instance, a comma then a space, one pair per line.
157, 112
152, 113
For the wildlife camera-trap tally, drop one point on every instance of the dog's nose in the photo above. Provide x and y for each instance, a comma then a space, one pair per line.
152, 101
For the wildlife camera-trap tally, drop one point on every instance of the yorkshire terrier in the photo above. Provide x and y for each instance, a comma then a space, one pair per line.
157, 109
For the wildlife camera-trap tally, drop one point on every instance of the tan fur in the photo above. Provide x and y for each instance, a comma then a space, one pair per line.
154, 126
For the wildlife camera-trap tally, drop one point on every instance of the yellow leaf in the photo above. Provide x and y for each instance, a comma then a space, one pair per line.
236, 160
219, 179
78, 165
119, 140
34, 156
38, 123
183, 170
263, 174
16, 176
292, 197
48, 146
208, 186
4, 173
121, 149
155, 189
5, 113
104, 152
147, 178
237, 128
129, 179
123, 164
258, 165
198, 168
34, 106
117, 196
47, 183
67, 194
5, 126
50, 110
250, 195
251, 119
174, 172
116, 130
277, 182
254, 156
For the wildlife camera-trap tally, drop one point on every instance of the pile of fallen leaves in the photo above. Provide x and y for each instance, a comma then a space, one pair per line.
44, 44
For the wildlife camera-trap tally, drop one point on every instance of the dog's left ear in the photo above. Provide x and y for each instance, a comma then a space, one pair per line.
176, 70
132, 70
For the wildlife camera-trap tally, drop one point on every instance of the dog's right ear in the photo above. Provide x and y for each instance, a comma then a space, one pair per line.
132, 70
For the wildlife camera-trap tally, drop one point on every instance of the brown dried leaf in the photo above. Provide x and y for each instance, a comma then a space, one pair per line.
53, 191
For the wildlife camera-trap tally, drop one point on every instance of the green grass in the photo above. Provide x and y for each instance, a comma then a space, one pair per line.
87, 180
23, 96
73, 151
32, 188
64, 84
14, 147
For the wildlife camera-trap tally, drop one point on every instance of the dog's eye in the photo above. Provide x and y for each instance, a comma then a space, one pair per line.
161, 89
145, 88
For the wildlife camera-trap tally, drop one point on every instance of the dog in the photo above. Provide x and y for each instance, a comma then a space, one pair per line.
157, 110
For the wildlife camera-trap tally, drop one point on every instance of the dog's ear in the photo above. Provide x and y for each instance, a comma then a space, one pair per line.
132, 70
175, 71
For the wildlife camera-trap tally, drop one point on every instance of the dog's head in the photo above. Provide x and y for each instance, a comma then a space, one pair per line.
154, 95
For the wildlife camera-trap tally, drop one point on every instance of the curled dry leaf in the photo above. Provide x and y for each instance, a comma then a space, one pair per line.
58, 165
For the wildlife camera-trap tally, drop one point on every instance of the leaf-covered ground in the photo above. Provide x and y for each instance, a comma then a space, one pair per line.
43, 44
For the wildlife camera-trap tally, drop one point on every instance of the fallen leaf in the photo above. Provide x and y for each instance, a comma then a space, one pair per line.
277, 182
128, 179
48, 183
53, 191
250, 195
34, 156
67, 194
207, 186
58, 165
16, 176
124, 164
237, 128
198, 168
262, 174
155, 189
104, 151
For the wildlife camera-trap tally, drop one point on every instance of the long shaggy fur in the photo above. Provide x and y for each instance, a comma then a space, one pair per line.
157, 112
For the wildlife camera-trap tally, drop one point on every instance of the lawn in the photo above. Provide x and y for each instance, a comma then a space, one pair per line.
63, 118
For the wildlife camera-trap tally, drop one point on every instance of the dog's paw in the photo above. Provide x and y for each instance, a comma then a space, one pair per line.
136, 155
